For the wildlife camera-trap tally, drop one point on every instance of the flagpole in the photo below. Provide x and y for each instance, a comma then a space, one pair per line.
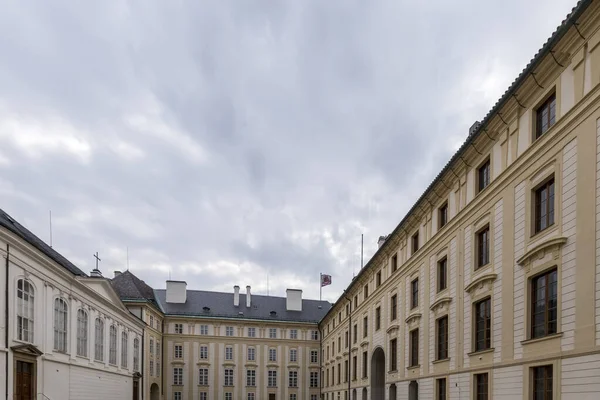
320, 285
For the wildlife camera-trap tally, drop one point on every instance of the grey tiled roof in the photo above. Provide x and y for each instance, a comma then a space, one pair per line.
221, 305
130, 287
9, 223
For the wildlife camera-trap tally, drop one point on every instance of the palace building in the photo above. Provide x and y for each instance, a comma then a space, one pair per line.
489, 288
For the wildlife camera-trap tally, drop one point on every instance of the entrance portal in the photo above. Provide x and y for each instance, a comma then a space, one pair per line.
154, 392
413, 390
378, 375
24, 381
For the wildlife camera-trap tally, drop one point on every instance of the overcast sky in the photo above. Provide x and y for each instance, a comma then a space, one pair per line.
227, 141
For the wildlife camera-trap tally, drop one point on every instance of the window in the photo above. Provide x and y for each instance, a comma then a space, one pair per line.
293, 333
314, 356
179, 328
273, 354
272, 378
544, 304
251, 353
483, 247
82, 333
378, 279
355, 302
124, 345
293, 396
151, 368
250, 377
178, 351
314, 379
483, 325
251, 396
203, 352
346, 371
229, 353
272, 333
340, 316
152, 321
228, 396
251, 332
364, 364
544, 206
346, 339
545, 116
393, 354
99, 340
176, 395
293, 355
158, 349
443, 215
339, 373
178, 376
112, 346
203, 396
314, 335
204, 330
228, 377
483, 175
414, 348
354, 367
293, 379
378, 318
394, 307
442, 338
542, 382
394, 263
136, 354
355, 333
415, 242
158, 369
366, 291
442, 274
481, 386
365, 326
25, 311
313, 397
229, 331
151, 347
60, 325
203, 376
414, 293
440, 388
333, 348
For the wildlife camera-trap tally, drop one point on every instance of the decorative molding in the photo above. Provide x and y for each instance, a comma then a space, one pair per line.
481, 283
552, 246
364, 343
441, 304
413, 320
393, 329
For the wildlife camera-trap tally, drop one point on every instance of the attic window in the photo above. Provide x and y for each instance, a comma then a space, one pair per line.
206, 309
273, 313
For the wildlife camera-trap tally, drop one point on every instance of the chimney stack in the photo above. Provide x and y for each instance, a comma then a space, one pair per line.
176, 292
381, 241
117, 273
248, 297
294, 300
236, 296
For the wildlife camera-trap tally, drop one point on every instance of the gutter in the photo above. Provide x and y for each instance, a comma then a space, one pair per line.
546, 49
6, 329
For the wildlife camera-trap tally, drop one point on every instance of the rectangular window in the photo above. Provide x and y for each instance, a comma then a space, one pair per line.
483, 325
378, 279
229, 331
339, 344
542, 382
293, 355
203, 352
354, 367
483, 247
415, 242
61, 321
82, 333
544, 206
346, 372
178, 376
293, 396
99, 340
442, 274
250, 377
365, 326
442, 338
414, 348
544, 297
273, 355
176, 395
545, 116
346, 339
394, 263
394, 307
481, 386
355, 333
203, 377
314, 335
151, 368
272, 333
251, 353
179, 328
178, 351
440, 389
158, 369
378, 318
204, 330
364, 364
203, 396
293, 333
314, 379
366, 291
314, 356
339, 375
443, 215
251, 396
393, 354
293, 379
151, 347
414, 293
272, 378
251, 332
229, 353
355, 302
228, 396
483, 175
228, 377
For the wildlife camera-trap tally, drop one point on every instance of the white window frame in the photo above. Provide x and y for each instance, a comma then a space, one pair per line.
61, 325
272, 333
178, 351
177, 376
251, 354
82, 333
229, 331
204, 330
204, 352
203, 376
112, 345
272, 354
228, 377
99, 340
25, 310
252, 332
293, 379
124, 348
272, 378
229, 353
136, 354
251, 377
293, 333
294, 355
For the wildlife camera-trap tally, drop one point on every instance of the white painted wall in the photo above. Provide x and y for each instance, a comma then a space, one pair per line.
524, 139
497, 288
507, 383
519, 274
580, 378
176, 292
567, 90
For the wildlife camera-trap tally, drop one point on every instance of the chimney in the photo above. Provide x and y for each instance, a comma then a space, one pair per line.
248, 297
381, 241
117, 273
236, 296
176, 292
96, 273
474, 127
294, 300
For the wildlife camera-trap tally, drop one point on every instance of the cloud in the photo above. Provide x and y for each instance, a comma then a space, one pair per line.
225, 142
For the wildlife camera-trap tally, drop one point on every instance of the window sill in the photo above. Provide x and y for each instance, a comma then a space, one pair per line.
546, 230
413, 367
478, 352
443, 360
542, 339
482, 267
393, 371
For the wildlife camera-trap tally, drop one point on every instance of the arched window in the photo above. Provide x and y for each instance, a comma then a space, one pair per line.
61, 319
82, 333
123, 349
112, 346
25, 296
136, 354
99, 340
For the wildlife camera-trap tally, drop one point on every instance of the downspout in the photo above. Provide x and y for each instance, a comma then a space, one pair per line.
143, 383
6, 319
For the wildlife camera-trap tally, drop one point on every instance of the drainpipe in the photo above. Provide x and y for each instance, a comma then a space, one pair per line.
141, 366
6, 319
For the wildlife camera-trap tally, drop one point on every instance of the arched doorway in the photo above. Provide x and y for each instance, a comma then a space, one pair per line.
413, 390
364, 396
378, 375
392, 391
354, 395
154, 392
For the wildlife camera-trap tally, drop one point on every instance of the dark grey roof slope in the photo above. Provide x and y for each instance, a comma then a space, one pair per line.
130, 287
221, 305
9, 223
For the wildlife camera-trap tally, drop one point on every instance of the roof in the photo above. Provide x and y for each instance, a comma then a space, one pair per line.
130, 287
479, 129
13, 226
221, 305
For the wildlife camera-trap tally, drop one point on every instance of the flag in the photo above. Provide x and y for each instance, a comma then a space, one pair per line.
325, 280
